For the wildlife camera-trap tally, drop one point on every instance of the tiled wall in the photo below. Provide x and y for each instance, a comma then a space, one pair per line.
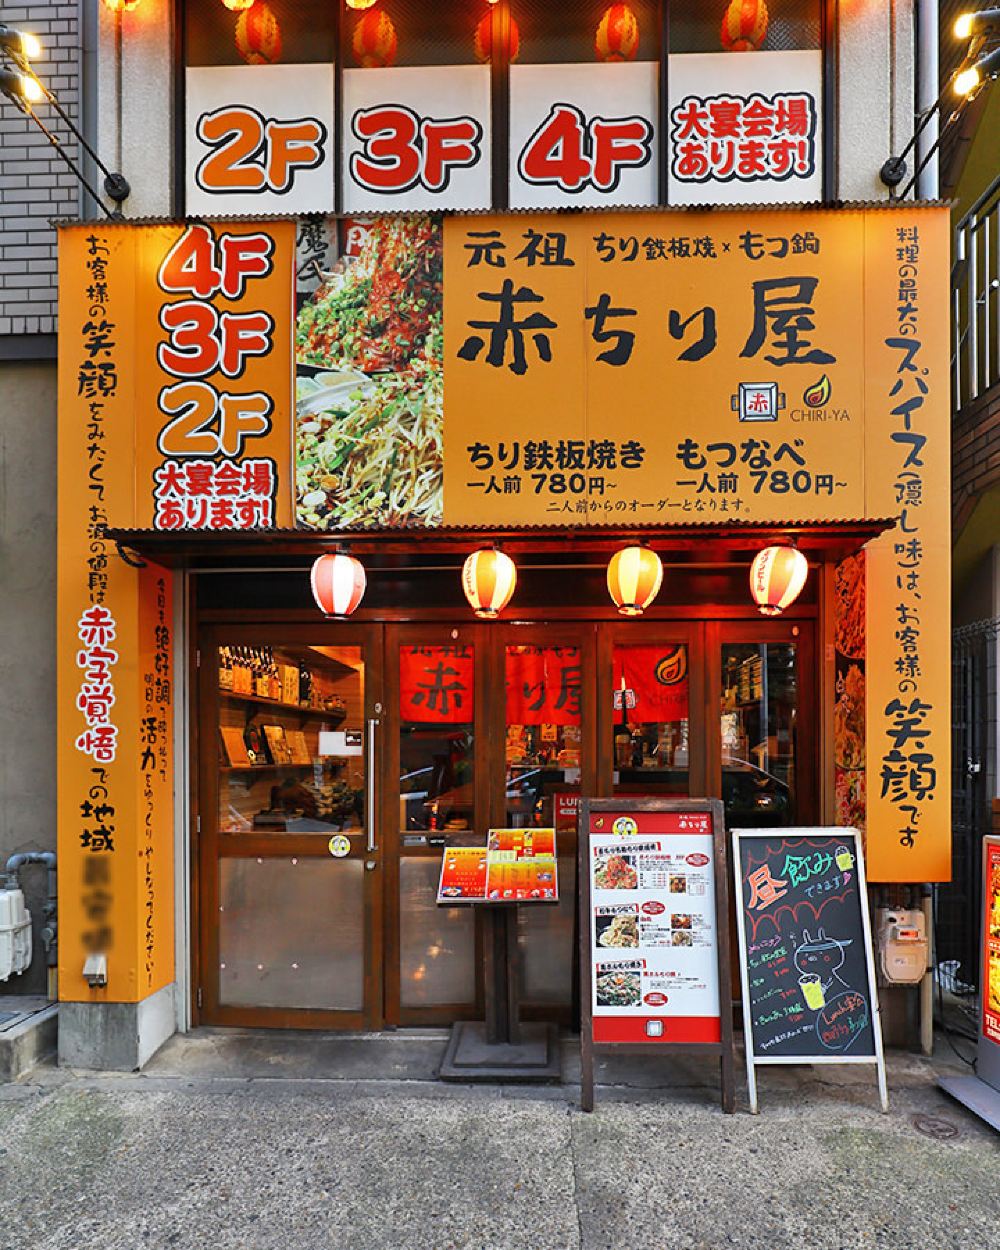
35, 184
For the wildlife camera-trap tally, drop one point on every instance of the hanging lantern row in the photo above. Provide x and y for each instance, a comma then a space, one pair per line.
635, 575
374, 41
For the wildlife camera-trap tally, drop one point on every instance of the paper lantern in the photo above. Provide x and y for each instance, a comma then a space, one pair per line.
482, 42
744, 25
258, 35
360, 4
635, 575
777, 576
488, 579
374, 41
617, 37
238, 6
338, 584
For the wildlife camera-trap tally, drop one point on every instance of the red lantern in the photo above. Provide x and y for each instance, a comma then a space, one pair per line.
488, 579
258, 35
617, 37
338, 584
374, 41
635, 575
777, 576
744, 25
482, 42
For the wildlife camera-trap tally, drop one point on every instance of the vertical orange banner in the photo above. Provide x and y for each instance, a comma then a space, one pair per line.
115, 813
908, 459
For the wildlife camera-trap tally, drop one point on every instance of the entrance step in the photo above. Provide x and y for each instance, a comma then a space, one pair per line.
28, 1033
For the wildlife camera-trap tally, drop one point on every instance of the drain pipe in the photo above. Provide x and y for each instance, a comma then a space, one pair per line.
49, 925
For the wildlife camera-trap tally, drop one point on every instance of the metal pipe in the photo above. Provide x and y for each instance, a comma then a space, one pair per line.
11, 882
927, 93
927, 981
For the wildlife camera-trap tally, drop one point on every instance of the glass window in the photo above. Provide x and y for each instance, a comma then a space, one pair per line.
291, 740
271, 32
584, 31
758, 725
542, 747
651, 734
436, 738
781, 26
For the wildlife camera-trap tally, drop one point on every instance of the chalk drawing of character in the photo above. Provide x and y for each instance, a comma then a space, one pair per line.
819, 961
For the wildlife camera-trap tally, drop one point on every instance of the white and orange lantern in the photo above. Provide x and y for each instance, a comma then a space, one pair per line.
258, 35
338, 584
238, 6
374, 41
744, 25
617, 37
777, 576
635, 575
489, 577
360, 4
482, 40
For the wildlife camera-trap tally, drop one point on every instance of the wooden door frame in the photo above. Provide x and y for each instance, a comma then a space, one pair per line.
205, 714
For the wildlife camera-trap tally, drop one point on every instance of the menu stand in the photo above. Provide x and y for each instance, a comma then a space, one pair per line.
501, 1048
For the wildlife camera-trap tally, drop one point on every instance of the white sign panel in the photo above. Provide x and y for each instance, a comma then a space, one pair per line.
654, 940
416, 138
583, 135
745, 128
259, 139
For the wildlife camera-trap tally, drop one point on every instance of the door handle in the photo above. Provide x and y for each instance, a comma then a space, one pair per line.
370, 846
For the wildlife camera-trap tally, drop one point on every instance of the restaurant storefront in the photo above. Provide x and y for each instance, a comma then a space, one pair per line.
254, 796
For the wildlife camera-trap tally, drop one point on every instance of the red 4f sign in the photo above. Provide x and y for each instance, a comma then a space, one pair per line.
574, 153
401, 150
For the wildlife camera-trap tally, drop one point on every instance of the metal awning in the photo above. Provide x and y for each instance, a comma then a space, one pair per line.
404, 546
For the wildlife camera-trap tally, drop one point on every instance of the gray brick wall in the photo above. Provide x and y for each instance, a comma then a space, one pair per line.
35, 185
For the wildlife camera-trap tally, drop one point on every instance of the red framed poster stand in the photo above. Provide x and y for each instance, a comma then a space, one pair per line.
631, 824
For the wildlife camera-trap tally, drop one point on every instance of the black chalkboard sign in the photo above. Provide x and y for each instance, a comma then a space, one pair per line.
805, 949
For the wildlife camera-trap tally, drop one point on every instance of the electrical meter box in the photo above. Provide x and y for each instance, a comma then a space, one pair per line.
902, 945
15, 934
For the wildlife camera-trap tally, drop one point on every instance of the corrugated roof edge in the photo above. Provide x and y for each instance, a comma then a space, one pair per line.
444, 531
887, 205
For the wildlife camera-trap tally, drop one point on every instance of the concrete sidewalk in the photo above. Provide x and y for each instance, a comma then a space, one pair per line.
239, 1140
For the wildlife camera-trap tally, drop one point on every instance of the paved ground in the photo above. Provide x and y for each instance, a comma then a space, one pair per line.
240, 1142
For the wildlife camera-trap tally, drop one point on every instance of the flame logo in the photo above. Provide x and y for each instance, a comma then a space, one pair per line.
672, 668
819, 394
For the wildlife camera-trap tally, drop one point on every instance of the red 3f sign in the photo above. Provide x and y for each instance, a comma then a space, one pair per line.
400, 150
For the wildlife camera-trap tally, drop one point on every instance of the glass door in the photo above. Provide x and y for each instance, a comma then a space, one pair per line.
652, 692
436, 789
544, 750
290, 862
764, 746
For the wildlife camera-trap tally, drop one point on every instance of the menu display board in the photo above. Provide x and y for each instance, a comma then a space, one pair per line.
515, 866
806, 962
654, 928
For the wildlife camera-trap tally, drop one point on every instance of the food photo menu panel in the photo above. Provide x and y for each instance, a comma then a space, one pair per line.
653, 928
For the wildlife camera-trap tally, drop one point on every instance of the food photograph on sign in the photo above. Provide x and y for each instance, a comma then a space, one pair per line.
369, 381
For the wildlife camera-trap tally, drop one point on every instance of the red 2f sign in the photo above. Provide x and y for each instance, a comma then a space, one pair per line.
401, 150
573, 152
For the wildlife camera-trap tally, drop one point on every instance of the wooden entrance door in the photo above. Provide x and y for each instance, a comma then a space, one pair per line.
291, 866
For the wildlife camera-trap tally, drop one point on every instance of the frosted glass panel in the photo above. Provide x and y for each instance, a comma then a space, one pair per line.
545, 936
437, 944
291, 933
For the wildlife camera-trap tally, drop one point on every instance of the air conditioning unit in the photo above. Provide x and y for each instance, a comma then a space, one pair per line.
15, 934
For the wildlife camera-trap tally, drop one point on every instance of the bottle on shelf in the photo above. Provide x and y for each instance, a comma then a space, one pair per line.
262, 683
225, 669
305, 684
272, 673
